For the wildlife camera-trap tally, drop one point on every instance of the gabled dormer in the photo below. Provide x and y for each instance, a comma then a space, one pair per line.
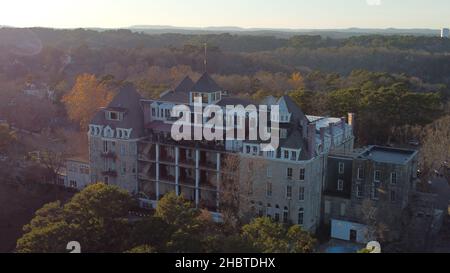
115, 113
206, 89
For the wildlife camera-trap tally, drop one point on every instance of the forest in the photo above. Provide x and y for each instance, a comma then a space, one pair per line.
395, 84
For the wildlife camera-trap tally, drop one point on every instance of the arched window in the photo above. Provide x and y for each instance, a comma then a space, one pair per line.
301, 214
269, 211
286, 215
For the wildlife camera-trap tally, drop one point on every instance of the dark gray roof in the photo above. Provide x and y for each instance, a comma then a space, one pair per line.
206, 85
234, 101
184, 86
128, 99
389, 155
293, 141
177, 97
294, 109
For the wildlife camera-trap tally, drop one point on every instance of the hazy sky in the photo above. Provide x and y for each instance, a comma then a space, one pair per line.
243, 13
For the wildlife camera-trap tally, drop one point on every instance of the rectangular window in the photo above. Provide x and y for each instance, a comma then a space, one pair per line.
269, 189
73, 184
277, 217
269, 172
341, 167
286, 154
340, 185
375, 191
289, 173
377, 176
302, 174
359, 191
393, 196
285, 217
360, 174
289, 192
293, 155
301, 214
113, 116
394, 178
301, 194
105, 146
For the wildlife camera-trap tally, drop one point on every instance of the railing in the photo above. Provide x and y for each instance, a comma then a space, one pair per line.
110, 173
109, 154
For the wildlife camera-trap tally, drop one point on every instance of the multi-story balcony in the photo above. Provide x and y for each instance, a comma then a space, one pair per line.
111, 173
145, 158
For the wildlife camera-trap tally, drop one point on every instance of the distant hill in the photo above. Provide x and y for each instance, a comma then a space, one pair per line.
282, 32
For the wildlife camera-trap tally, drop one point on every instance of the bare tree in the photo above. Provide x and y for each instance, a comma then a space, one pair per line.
435, 152
237, 188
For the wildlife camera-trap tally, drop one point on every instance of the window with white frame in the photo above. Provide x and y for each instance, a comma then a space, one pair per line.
301, 194
269, 211
270, 154
289, 192
341, 167
269, 189
289, 173
269, 171
340, 185
293, 155
359, 190
360, 174
393, 178
377, 176
286, 215
302, 174
301, 215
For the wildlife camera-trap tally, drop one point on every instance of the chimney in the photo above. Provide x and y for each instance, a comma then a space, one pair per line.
323, 130
312, 139
351, 119
343, 127
332, 132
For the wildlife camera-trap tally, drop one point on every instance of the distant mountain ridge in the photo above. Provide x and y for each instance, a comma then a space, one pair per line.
284, 32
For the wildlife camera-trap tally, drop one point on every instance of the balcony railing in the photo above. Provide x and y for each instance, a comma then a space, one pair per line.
110, 173
109, 154
142, 157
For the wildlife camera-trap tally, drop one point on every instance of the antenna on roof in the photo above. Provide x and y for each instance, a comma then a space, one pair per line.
205, 61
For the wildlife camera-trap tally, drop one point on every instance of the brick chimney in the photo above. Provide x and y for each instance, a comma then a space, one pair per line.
312, 139
351, 119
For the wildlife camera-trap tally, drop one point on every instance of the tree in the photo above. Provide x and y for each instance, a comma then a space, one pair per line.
85, 98
96, 217
53, 162
300, 241
269, 237
435, 151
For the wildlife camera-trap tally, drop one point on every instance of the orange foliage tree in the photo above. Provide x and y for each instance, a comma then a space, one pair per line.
85, 98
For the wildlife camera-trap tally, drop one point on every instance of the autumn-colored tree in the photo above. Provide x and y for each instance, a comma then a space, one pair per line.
297, 80
85, 98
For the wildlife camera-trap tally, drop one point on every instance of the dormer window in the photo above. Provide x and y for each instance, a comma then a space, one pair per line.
114, 115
